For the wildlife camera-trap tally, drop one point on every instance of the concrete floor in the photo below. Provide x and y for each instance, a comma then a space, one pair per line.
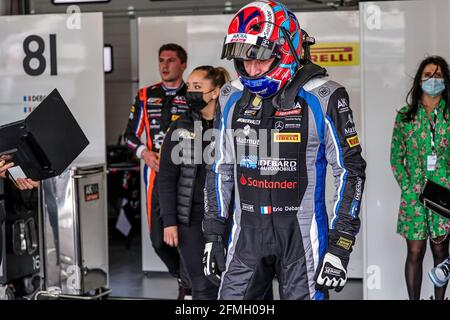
128, 281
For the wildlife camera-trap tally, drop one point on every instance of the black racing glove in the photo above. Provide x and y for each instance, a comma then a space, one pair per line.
214, 258
332, 270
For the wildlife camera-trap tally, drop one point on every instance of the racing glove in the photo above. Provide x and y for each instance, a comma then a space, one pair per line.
214, 258
332, 270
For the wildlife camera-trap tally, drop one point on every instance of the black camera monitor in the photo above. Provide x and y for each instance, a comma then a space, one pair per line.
46, 142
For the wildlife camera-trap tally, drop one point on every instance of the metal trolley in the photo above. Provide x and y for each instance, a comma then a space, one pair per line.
75, 236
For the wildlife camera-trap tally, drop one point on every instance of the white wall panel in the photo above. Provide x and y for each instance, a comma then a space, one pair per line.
79, 74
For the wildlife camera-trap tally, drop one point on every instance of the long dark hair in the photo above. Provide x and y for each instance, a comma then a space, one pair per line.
415, 94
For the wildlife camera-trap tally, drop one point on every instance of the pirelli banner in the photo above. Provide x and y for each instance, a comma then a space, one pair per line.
336, 54
65, 51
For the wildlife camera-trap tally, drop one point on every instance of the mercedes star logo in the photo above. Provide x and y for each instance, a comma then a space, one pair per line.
279, 125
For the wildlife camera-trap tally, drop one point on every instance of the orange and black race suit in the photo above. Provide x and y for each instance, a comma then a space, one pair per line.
154, 109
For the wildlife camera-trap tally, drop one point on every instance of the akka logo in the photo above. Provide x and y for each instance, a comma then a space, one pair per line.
239, 37
266, 184
287, 137
342, 103
294, 112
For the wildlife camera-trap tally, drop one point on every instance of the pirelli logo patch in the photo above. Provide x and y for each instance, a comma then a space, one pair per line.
174, 117
287, 137
344, 243
353, 141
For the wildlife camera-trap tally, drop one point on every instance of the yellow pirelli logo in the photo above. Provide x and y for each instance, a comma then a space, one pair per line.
175, 117
335, 54
353, 141
287, 137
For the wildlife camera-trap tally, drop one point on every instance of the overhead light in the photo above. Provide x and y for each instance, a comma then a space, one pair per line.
228, 6
79, 1
332, 5
108, 58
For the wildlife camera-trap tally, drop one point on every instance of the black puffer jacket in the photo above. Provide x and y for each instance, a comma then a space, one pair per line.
182, 171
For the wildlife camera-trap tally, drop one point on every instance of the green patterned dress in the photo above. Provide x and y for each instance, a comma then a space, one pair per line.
411, 145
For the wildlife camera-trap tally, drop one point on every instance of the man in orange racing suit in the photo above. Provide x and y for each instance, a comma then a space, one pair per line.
154, 109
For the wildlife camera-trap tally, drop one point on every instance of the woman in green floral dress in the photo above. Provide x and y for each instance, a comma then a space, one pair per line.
420, 151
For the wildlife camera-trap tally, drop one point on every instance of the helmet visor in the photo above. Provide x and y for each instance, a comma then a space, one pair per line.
246, 51
248, 47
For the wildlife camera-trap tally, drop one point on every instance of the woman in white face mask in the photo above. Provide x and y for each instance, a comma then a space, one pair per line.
420, 151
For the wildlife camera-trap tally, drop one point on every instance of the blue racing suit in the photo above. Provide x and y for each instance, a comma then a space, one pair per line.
273, 183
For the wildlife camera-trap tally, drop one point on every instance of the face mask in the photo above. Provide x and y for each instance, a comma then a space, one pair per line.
433, 86
195, 100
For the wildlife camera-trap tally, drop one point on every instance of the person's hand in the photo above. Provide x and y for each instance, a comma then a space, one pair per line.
151, 159
214, 259
5, 166
332, 269
26, 184
171, 236
331, 273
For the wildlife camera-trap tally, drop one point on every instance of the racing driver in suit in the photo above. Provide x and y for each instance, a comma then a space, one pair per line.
154, 109
275, 137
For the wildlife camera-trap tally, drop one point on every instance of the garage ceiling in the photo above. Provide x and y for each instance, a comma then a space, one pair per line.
186, 7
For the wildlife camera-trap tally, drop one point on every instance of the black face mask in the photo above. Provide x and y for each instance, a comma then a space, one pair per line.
195, 100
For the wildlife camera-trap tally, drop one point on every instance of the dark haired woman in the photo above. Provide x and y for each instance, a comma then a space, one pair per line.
420, 151
182, 175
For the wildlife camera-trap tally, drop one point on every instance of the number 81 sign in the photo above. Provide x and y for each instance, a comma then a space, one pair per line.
38, 54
